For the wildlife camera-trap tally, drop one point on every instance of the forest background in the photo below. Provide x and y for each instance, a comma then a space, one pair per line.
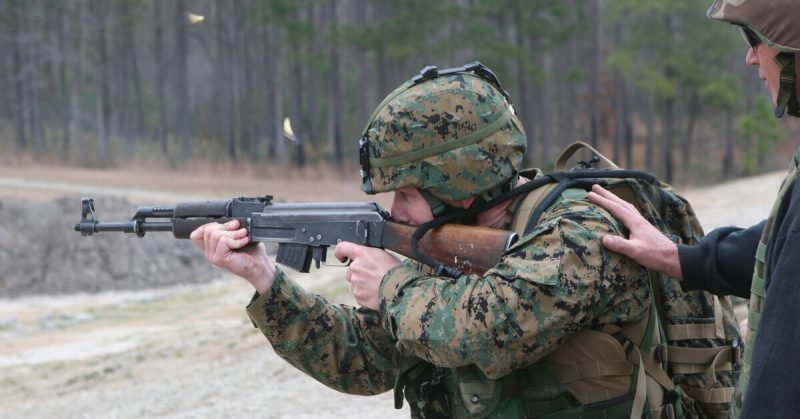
169, 83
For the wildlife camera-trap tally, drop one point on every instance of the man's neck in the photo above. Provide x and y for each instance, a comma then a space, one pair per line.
497, 216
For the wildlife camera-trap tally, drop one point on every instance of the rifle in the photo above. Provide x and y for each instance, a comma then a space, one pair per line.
304, 231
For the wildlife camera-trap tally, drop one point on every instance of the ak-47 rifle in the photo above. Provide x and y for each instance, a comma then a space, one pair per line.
304, 231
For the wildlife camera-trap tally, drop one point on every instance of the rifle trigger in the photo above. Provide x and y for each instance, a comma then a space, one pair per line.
319, 255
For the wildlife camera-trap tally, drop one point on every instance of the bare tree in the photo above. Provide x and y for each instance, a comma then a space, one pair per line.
64, 85
181, 81
336, 88
161, 72
594, 70
20, 88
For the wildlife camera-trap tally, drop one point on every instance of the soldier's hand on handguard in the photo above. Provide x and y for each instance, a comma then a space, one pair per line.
224, 246
645, 244
367, 267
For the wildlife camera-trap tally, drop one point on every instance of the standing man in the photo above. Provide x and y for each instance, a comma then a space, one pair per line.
503, 344
724, 259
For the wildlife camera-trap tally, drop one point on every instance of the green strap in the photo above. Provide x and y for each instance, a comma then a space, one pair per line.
717, 395
444, 147
787, 96
797, 158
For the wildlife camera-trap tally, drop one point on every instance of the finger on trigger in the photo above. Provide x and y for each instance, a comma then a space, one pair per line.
343, 251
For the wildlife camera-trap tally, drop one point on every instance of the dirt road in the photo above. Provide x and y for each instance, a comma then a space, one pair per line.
190, 351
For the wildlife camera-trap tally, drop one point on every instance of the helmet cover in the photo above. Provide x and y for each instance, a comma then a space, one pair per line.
455, 136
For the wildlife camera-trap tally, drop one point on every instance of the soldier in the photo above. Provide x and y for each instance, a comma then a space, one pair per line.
555, 328
723, 262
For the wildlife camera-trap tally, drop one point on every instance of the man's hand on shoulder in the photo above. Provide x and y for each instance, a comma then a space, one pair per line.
646, 245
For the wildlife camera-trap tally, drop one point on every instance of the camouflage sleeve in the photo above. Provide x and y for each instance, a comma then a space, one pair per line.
340, 346
555, 281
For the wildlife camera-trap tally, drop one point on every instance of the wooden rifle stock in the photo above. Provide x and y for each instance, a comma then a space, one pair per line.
473, 250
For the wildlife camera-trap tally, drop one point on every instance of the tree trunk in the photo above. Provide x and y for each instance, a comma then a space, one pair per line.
313, 79
19, 77
728, 167
650, 122
363, 93
66, 114
274, 110
525, 109
546, 121
688, 140
668, 135
102, 106
336, 94
77, 97
181, 82
297, 112
594, 70
35, 117
122, 77
136, 78
161, 71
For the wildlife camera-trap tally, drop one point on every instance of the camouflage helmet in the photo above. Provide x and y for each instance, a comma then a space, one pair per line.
776, 23
451, 133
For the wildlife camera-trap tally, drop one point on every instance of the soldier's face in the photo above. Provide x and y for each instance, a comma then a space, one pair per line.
409, 207
768, 70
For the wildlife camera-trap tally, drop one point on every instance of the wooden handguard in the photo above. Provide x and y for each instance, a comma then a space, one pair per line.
474, 250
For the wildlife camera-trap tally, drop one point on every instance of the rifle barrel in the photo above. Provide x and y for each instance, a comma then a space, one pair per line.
133, 226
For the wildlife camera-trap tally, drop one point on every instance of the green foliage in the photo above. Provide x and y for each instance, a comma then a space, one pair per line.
759, 133
666, 50
671, 47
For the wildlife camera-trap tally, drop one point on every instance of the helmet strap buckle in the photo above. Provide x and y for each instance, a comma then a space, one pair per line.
787, 91
363, 159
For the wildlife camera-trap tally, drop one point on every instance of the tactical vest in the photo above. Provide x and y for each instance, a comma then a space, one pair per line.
758, 291
677, 361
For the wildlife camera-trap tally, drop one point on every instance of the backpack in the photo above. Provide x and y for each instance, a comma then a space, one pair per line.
695, 352
687, 355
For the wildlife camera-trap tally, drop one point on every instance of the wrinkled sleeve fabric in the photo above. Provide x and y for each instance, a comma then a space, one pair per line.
722, 262
555, 281
342, 347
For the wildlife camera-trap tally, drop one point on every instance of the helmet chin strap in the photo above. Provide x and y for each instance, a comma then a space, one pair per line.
787, 92
440, 207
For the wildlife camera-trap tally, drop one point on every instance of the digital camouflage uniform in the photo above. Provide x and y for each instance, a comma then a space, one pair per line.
559, 327
453, 137
557, 280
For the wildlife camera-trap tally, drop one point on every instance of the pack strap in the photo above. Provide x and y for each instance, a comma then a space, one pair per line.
691, 331
594, 369
640, 398
561, 162
719, 327
719, 395
653, 369
700, 360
